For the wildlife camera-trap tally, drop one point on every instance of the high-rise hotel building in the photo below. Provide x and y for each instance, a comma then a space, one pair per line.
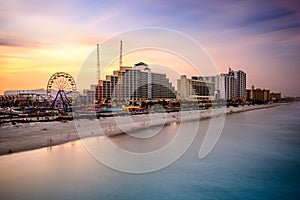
229, 85
135, 83
240, 86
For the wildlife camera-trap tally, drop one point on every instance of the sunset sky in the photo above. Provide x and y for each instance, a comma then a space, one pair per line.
39, 38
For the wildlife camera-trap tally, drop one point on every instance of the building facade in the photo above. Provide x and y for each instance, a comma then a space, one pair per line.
262, 95
194, 88
135, 83
36, 97
229, 85
275, 96
240, 87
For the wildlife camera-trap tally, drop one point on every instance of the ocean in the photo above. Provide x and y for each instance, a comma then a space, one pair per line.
256, 157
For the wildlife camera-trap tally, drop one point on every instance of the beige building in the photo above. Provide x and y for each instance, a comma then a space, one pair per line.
275, 96
259, 94
264, 95
194, 88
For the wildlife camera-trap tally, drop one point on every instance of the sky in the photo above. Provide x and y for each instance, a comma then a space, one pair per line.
39, 38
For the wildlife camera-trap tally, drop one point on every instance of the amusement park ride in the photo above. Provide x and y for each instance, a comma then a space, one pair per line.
60, 89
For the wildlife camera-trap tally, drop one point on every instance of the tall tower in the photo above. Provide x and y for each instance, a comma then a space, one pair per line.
98, 95
120, 59
120, 75
98, 63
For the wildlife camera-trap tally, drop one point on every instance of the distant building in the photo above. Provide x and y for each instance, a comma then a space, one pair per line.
36, 97
194, 88
248, 94
259, 94
90, 95
218, 82
37, 92
229, 85
210, 79
106, 88
262, 95
275, 96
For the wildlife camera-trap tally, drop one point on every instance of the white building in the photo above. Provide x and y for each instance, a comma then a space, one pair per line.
232, 84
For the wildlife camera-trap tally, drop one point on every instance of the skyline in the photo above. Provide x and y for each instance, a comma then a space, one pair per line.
39, 38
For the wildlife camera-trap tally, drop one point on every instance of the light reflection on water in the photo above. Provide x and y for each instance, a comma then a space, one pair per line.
65, 146
257, 157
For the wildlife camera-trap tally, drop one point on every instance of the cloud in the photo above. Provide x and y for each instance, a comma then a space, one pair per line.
15, 42
236, 32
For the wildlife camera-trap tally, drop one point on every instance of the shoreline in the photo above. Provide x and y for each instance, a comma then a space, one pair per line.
30, 136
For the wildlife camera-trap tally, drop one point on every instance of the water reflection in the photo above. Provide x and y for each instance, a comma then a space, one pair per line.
255, 158
49, 149
65, 146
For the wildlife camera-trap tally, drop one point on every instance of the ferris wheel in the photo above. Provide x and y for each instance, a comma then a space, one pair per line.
60, 89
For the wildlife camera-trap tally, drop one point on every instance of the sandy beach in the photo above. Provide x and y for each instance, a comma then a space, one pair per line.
29, 136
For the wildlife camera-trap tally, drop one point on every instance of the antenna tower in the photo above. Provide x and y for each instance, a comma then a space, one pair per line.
120, 59
98, 63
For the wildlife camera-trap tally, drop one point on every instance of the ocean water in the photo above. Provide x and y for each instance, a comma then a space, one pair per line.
256, 157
